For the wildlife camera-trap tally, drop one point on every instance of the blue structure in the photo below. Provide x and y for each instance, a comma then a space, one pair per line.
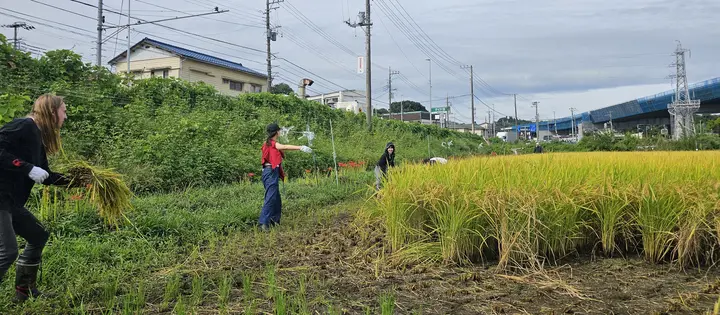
650, 107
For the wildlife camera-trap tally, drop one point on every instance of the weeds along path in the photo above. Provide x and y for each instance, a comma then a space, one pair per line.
335, 262
97, 270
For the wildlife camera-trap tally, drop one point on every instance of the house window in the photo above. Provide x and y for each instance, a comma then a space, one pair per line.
234, 85
163, 72
256, 88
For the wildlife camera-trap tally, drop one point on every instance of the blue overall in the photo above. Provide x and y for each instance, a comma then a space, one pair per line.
270, 213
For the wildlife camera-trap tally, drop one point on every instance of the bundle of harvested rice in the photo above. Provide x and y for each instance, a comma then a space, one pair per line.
105, 189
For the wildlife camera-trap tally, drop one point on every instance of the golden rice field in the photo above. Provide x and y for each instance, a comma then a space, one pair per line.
527, 211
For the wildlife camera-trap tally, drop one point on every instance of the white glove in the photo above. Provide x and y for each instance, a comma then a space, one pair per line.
306, 149
39, 175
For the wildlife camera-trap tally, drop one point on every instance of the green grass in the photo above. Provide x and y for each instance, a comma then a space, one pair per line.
92, 267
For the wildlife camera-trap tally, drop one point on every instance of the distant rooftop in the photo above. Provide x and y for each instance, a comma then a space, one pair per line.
191, 54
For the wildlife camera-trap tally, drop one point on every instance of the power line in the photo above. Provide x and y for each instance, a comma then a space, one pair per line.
303, 75
400, 48
246, 15
175, 29
39, 18
317, 52
48, 25
489, 107
65, 10
426, 44
302, 18
400, 25
308, 71
204, 17
423, 36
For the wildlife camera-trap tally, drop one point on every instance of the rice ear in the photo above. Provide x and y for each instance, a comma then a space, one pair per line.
105, 188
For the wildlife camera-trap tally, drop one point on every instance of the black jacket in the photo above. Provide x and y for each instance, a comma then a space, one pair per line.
21, 149
387, 158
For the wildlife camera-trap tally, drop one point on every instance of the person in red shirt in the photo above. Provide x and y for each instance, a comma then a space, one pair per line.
272, 173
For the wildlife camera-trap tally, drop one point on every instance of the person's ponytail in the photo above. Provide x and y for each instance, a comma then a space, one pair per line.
269, 138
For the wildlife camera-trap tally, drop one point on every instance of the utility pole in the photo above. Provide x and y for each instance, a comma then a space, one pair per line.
611, 126
572, 121
102, 27
99, 33
555, 123
447, 110
489, 124
390, 90
494, 131
402, 99
271, 36
537, 121
128, 43
430, 77
517, 133
367, 23
472, 98
17, 25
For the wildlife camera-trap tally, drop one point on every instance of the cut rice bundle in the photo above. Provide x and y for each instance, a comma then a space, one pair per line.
105, 189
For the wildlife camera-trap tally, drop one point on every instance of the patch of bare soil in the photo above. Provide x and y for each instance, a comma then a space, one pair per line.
343, 267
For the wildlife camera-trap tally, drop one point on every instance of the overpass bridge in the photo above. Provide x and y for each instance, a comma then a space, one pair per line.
649, 110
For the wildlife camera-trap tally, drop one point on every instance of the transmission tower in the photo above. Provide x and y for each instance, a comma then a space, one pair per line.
682, 109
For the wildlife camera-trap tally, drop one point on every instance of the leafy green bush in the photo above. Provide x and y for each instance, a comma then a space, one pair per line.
167, 134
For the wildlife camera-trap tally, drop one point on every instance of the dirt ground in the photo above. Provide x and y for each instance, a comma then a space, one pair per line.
343, 266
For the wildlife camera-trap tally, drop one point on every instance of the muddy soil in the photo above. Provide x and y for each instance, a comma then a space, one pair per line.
343, 265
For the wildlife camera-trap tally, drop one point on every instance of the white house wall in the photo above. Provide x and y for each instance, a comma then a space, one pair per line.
146, 53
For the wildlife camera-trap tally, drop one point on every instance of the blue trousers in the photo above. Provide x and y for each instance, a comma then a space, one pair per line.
270, 213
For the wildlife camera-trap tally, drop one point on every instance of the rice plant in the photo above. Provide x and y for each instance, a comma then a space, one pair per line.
197, 291
105, 188
224, 290
527, 210
387, 304
172, 291
270, 278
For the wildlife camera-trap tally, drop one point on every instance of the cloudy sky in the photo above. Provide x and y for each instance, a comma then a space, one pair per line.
563, 53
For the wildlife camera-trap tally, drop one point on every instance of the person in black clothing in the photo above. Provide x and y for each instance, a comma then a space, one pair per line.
24, 144
538, 148
387, 159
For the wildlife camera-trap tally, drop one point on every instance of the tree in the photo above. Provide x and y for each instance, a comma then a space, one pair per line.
383, 111
281, 88
510, 121
407, 106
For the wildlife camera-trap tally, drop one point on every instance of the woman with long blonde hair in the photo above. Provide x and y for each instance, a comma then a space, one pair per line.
24, 145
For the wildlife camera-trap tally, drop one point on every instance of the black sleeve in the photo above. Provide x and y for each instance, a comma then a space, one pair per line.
392, 162
54, 178
10, 137
383, 161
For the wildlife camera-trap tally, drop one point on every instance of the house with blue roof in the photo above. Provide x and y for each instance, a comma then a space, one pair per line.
151, 58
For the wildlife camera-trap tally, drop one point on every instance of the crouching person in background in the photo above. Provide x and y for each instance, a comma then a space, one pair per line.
386, 160
24, 145
435, 160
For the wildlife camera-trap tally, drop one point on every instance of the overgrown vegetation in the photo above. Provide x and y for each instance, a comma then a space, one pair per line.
166, 134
